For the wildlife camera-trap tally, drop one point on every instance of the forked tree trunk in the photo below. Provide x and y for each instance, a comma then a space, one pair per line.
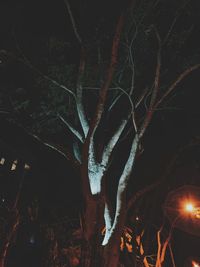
93, 253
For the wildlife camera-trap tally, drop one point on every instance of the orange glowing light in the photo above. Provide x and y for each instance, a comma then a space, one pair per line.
195, 264
189, 207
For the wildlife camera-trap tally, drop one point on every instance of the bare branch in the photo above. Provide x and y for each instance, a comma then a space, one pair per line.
95, 170
172, 255
76, 151
178, 13
79, 92
141, 97
113, 141
46, 77
29, 64
158, 263
164, 248
63, 152
154, 94
121, 190
161, 179
115, 100
73, 21
108, 219
131, 103
140, 245
88, 148
141, 193
110, 72
74, 131
176, 82
157, 74
131, 60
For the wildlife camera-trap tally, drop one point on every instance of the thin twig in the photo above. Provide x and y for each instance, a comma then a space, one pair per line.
174, 21
172, 255
183, 75
72, 129
73, 21
28, 63
156, 87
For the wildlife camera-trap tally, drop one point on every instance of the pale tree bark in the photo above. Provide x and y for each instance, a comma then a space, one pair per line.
97, 211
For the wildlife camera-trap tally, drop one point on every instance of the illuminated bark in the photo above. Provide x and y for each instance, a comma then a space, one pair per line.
97, 213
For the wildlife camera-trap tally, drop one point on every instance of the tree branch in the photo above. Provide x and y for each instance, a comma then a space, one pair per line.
78, 37
161, 179
172, 255
65, 153
154, 94
76, 151
90, 164
110, 72
178, 13
95, 170
74, 131
157, 73
79, 93
120, 201
176, 82
113, 141
28, 63
108, 219
158, 263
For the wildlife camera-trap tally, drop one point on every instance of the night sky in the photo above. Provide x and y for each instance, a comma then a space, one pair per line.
29, 25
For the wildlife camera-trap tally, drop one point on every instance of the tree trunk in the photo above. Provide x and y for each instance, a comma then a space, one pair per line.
7, 243
112, 249
2, 261
4, 253
92, 233
111, 255
93, 253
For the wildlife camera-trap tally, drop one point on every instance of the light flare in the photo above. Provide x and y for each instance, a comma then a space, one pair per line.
195, 264
189, 207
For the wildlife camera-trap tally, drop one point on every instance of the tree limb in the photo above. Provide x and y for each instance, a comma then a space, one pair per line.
88, 147
79, 93
63, 152
176, 82
74, 131
120, 201
154, 94
73, 21
113, 141
158, 263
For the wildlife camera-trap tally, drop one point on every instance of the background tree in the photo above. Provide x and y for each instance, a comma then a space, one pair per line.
99, 87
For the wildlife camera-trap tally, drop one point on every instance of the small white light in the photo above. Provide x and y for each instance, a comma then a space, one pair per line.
14, 165
26, 167
2, 161
189, 207
32, 240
